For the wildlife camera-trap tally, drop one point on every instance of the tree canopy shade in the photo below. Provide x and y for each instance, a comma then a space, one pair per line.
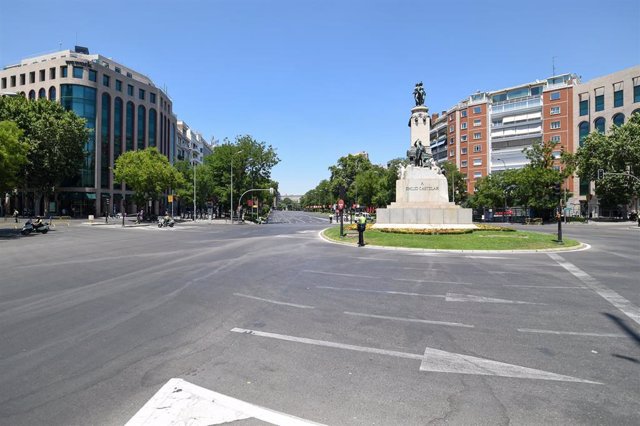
615, 152
147, 172
13, 155
56, 139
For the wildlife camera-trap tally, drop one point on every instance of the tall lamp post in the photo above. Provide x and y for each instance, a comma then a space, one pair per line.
504, 212
193, 162
231, 173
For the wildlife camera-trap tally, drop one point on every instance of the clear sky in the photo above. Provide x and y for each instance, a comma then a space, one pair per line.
319, 79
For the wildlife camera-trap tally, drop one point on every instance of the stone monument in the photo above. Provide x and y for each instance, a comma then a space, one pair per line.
422, 197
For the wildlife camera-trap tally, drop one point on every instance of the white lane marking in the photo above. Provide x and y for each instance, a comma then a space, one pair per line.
569, 333
339, 274
431, 281
434, 359
453, 297
179, 402
626, 307
545, 286
422, 321
402, 293
447, 362
275, 302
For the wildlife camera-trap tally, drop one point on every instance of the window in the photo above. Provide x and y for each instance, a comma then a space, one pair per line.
618, 119
52, 93
93, 75
142, 120
129, 90
463, 125
535, 91
452, 141
584, 107
22, 80
118, 85
600, 99
477, 135
463, 113
4, 82
452, 152
451, 118
554, 96
583, 131
477, 148
477, 175
555, 124
152, 98
463, 150
106, 80
450, 129
141, 94
118, 70
636, 89
32, 95
599, 124
477, 161
13, 81
477, 122
42, 75
78, 72
556, 154
463, 138
477, 110
555, 110
618, 98
52, 73
42, 94
463, 163
63, 71
555, 138
32, 77
129, 75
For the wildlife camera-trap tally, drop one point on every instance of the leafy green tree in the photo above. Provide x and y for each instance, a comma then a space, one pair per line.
616, 152
343, 175
13, 155
252, 163
148, 173
459, 184
56, 139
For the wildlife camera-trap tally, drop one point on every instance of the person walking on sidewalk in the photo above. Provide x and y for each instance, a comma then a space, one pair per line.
15, 214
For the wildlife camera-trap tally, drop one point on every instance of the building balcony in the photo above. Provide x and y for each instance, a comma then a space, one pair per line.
522, 104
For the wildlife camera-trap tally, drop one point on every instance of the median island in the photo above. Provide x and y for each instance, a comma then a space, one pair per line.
485, 237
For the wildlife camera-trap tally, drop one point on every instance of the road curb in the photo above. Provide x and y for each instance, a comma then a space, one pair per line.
581, 247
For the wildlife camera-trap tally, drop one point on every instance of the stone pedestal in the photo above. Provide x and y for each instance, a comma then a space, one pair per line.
422, 202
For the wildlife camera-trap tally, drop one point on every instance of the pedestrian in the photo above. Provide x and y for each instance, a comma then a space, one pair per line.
361, 225
15, 214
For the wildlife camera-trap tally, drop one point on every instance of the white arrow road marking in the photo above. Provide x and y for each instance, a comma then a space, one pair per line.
453, 297
446, 362
628, 308
435, 360
182, 403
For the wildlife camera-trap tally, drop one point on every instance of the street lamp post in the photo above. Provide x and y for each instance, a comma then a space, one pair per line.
231, 173
504, 212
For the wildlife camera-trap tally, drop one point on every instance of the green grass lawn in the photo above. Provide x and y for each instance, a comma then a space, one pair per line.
478, 240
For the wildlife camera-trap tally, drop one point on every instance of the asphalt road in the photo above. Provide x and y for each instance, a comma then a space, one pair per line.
95, 320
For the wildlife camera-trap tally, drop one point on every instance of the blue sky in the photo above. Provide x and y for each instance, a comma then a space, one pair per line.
319, 79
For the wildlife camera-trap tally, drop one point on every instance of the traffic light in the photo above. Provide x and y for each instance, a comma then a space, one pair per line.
557, 190
600, 174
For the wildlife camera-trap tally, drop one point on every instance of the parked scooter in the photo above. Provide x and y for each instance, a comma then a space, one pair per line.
30, 227
165, 221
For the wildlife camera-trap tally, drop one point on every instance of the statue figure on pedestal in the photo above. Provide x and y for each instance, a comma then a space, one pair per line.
419, 94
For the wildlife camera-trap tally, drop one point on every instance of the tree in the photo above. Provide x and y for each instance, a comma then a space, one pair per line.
616, 152
343, 175
13, 155
148, 173
459, 184
56, 139
251, 162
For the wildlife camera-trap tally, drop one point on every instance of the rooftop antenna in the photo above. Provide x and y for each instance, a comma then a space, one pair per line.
553, 64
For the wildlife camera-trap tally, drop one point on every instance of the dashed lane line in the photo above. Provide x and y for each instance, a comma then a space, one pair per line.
275, 302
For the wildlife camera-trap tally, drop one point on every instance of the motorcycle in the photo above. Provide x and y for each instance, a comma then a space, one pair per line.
162, 222
29, 227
